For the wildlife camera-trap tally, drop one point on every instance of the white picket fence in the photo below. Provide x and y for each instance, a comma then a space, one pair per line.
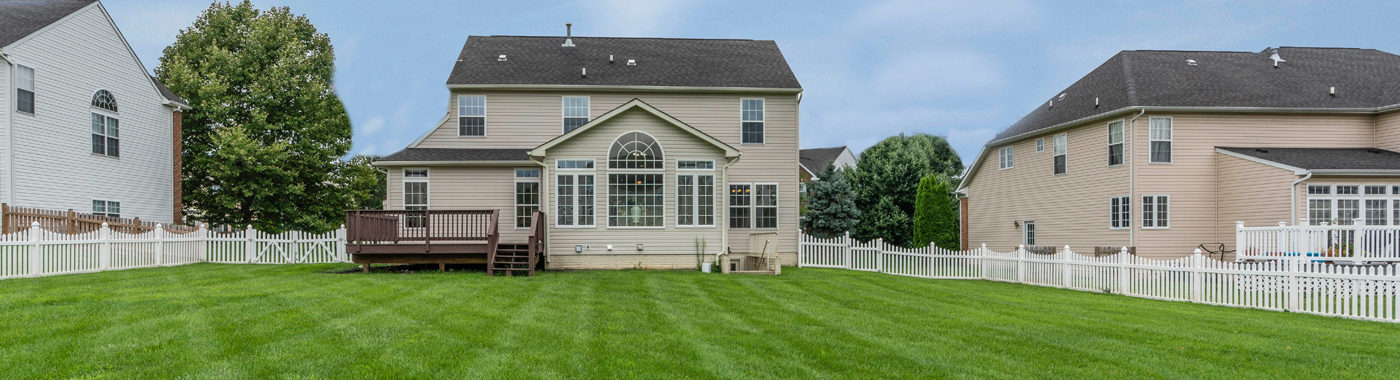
39, 252
1296, 285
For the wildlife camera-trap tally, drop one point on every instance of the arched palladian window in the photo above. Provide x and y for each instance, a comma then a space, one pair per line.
635, 150
104, 100
106, 139
637, 186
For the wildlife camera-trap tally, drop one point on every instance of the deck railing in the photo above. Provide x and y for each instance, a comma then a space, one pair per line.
1326, 242
425, 226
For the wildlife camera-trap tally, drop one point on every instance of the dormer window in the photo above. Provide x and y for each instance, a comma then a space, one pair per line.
105, 126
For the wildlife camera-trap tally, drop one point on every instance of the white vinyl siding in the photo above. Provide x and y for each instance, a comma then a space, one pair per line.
1159, 140
1115, 143
1156, 211
1061, 153
1007, 155
471, 115
575, 112
751, 117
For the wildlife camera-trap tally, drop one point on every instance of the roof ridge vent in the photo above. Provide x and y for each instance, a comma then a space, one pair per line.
631, 62
568, 34
1190, 62
501, 58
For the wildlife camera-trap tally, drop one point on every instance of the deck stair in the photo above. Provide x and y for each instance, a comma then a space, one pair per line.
511, 258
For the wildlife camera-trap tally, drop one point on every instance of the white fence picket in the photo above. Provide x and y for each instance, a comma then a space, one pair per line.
1298, 284
38, 252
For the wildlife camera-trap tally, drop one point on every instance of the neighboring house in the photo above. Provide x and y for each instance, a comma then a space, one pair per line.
638, 150
1166, 150
83, 127
813, 161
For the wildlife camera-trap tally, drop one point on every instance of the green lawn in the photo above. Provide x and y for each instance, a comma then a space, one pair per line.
258, 321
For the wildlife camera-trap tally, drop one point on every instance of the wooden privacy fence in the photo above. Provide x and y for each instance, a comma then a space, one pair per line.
1369, 292
38, 251
15, 218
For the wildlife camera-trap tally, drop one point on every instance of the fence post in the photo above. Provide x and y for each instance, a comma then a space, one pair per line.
846, 246
1294, 293
104, 252
1020, 263
1068, 257
250, 246
340, 245
36, 253
1123, 282
932, 262
982, 257
160, 244
1239, 240
72, 219
203, 234
1197, 262
880, 255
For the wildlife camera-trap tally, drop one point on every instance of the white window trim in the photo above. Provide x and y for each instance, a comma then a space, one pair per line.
753, 205
695, 201
485, 117
573, 199
1040, 145
107, 114
1154, 211
14, 80
1053, 155
764, 121
564, 110
404, 178
1171, 136
1390, 197
1123, 133
1007, 157
515, 199
1129, 205
607, 175
1026, 226
107, 204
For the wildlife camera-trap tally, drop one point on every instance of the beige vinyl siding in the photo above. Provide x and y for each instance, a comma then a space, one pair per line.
1388, 131
1250, 192
1191, 178
1068, 209
467, 188
676, 245
525, 119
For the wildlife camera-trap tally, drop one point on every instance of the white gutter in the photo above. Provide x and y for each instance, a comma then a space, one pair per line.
452, 163
724, 226
545, 196
1132, 190
11, 106
1293, 198
557, 87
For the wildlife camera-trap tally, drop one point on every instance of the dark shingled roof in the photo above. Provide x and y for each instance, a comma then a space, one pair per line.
20, 18
660, 62
1364, 78
1326, 158
169, 95
453, 154
816, 159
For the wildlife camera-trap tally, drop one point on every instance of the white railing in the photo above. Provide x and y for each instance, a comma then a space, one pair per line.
1327, 242
40, 252
1370, 292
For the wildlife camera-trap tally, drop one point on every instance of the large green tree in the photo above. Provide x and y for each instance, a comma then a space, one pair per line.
263, 138
886, 181
831, 207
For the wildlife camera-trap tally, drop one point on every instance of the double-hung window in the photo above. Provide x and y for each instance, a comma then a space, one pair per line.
695, 193
753, 205
1156, 211
111, 209
1159, 139
575, 112
574, 193
1061, 150
24, 84
415, 196
471, 115
1039, 145
527, 196
752, 121
1120, 213
1115, 143
105, 126
1007, 155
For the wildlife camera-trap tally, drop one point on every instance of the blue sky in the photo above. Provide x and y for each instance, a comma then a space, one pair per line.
959, 69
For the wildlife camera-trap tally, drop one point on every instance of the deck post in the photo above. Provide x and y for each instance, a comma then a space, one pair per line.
366, 268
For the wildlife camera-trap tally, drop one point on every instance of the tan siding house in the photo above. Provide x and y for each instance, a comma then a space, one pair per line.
633, 165
1210, 139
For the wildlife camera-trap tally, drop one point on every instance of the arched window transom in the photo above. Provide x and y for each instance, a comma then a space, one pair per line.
635, 150
104, 100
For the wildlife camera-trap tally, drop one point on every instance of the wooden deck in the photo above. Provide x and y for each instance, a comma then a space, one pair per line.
440, 237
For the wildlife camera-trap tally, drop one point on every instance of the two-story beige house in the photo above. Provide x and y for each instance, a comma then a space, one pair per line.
641, 152
1164, 151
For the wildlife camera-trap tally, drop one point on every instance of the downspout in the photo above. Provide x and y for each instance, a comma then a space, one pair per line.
544, 199
1293, 198
9, 156
1132, 232
724, 226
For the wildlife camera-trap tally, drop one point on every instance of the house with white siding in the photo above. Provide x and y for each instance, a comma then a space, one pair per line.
641, 152
83, 126
1164, 151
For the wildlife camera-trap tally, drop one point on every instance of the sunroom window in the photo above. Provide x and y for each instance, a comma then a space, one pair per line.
637, 183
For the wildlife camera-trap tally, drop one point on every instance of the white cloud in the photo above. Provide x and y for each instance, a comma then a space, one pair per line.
630, 18
375, 124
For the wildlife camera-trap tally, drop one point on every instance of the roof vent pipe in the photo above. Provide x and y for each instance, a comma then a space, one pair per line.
1332, 91
585, 72
610, 59
568, 35
1276, 58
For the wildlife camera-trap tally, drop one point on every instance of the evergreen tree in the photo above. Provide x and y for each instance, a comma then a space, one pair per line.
831, 207
886, 182
925, 208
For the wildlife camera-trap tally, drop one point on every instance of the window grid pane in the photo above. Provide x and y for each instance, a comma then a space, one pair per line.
685, 200
1375, 212
564, 190
1348, 210
1160, 138
527, 201
739, 206
585, 200
635, 150
705, 189
765, 206
1319, 211
636, 200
